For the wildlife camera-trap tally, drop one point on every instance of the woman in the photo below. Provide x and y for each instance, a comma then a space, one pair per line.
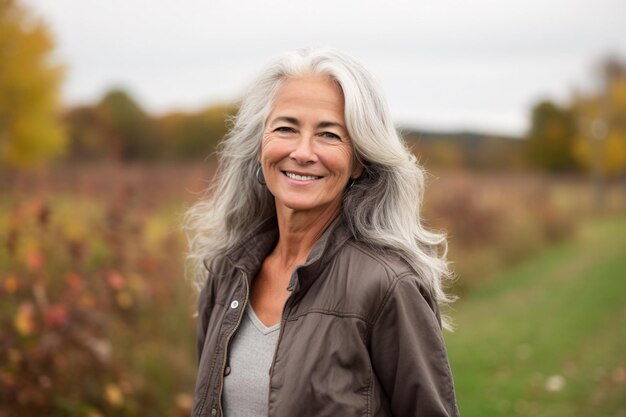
320, 289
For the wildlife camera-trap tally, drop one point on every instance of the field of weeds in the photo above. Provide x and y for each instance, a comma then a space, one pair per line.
97, 316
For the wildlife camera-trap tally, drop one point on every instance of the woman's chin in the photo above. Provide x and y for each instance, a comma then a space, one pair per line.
304, 206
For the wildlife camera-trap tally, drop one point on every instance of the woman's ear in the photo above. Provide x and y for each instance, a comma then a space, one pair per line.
357, 170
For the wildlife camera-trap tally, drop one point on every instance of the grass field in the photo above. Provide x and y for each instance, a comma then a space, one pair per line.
549, 338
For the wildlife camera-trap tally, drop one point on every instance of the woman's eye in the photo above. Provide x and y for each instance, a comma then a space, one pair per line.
330, 135
284, 129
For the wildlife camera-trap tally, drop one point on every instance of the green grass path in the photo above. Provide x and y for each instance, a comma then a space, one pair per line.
549, 338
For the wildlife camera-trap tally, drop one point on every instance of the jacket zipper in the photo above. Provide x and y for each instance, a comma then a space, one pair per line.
283, 320
230, 335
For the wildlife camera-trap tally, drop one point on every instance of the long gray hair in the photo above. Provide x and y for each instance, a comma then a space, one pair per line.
382, 207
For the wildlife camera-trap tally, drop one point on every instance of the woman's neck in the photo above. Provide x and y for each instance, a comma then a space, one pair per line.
298, 233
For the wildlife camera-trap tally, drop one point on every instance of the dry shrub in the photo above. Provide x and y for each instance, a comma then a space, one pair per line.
96, 318
495, 221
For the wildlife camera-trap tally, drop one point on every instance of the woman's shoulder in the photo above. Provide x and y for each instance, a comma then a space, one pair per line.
375, 263
367, 276
388, 276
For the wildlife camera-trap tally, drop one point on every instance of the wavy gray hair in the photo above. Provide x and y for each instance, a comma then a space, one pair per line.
382, 208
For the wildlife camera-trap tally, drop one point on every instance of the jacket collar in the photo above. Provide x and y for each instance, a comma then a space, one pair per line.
249, 254
322, 253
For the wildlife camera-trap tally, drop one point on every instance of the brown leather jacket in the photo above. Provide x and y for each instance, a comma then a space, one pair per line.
359, 335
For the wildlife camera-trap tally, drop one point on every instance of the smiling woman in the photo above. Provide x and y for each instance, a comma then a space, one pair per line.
320, 288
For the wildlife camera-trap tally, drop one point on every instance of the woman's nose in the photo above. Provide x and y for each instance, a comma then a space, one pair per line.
304, 151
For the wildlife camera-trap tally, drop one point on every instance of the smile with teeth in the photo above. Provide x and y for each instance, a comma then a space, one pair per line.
299, 177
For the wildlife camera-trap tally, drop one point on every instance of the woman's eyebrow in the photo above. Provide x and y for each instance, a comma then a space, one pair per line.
323, 125
291, 120
294, 121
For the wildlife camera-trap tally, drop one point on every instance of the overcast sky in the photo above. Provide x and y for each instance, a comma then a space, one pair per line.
444, 64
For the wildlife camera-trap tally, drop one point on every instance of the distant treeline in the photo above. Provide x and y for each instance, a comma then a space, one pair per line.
467, 150
588, 133
117, 128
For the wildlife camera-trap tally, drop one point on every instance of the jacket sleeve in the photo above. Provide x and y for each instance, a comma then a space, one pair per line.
202, 319
408, 353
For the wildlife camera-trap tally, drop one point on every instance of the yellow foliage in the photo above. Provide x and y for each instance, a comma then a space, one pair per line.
582, 151
114, 395
10, 284
124, 299
24, 320
614, 152
608, 108
612, 148
618, 95
30, 131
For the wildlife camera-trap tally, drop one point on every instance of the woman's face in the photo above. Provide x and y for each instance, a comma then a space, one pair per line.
306, 153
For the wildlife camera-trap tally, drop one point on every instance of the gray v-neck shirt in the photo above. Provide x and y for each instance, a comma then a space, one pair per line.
251, 351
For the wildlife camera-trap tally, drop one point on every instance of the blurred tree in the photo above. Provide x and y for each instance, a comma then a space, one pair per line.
195, 135
444, 153
127, 127
466, 150
551, 137
602, 117
117, 128
86, 132
30, 132
210, 127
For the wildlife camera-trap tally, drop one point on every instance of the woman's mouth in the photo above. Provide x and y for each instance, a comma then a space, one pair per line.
299, 177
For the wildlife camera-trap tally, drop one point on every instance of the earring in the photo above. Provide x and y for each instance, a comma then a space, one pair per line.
259, 176
351, 183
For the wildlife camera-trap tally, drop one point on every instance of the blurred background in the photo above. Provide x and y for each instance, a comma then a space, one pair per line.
109, 113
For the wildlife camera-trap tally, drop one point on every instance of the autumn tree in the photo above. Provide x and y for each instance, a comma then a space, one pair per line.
551, 137
601, 114
193, 135
30, 131
127, 128
86, 131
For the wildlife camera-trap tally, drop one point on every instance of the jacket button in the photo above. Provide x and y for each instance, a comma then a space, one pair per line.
227, 371
234, 304
213, 411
